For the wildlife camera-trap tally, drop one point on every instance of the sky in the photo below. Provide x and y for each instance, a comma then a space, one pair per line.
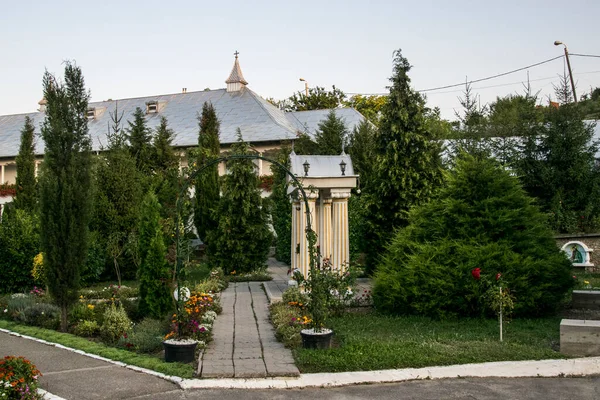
133, 48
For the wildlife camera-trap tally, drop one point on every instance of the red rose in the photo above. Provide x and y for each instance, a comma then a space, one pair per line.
476, 272
498, 275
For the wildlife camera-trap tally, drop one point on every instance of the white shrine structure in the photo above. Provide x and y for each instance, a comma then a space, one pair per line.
327, 182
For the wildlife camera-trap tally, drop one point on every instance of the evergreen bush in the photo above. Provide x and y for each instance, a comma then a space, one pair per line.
115, 324
19, 244
481, 219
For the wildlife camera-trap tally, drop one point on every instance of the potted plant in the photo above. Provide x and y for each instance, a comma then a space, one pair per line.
177, 345
318, 290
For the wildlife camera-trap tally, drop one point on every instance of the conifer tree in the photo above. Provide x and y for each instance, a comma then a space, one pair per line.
140, 141
408, 167
164, 156
281, 208
118, 196
155, 275
331, 135
65, 186
207, 183
148, 224
242, 239
26, 198
362, 150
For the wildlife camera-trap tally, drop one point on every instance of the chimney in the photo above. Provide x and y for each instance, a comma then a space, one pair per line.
184, 90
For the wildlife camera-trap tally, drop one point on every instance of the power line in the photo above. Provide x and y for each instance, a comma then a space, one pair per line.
583, 55
492, 77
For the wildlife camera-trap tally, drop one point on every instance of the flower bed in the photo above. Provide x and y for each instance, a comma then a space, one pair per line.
18, 379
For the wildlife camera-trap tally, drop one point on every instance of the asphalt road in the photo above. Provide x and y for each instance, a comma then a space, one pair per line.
468, 388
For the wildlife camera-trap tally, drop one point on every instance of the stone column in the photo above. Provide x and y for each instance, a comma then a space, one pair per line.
304, 261
326, 228
295, 233
341, 238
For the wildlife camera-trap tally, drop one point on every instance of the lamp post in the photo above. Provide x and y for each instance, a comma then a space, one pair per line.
558, 43
305, 86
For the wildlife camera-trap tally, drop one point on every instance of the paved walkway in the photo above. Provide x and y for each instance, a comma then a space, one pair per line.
244, 343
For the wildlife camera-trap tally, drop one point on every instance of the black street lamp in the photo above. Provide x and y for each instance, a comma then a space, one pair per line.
306, 167
343, 167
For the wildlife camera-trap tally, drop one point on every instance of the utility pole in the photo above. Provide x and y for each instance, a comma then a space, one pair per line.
305, 85
558, 43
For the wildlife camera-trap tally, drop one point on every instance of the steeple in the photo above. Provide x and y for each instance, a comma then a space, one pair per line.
236, 80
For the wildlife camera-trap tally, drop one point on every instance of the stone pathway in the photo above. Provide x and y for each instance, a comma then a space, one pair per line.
244, 343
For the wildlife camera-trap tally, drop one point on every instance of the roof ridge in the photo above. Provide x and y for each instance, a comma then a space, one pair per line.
254, 96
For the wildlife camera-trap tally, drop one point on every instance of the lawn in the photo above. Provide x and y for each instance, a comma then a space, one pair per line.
372, 342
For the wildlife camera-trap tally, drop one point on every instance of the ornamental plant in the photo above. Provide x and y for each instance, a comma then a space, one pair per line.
496, 297
18, 379
482, 217
190, 322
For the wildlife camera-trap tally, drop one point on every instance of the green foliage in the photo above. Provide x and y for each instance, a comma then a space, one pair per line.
26, 196
96, 260
17, 303
43, 315
281, 208
558, 168
357, 228
140, 137
207, 183
242, 240
155, 275
288, 323
331, 135
19, 244
146, 337
304, 144
294, 295
65, 183
86, 328
118, 197
407, 168
164, 157
83, 311
148, 224
369, 106
362, 151
482, 219
115, 324
318, 99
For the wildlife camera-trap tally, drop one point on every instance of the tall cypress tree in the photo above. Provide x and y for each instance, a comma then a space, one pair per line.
26, 191
140, 141
241, 241
331, 135
408, 167
65, 186
281, 208
207, 183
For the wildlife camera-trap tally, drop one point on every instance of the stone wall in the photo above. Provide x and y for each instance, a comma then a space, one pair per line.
591, 240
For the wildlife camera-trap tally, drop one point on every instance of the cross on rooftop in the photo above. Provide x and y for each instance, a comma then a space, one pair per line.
236, 54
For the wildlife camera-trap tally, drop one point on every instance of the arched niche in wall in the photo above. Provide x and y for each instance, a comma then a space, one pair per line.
578, 253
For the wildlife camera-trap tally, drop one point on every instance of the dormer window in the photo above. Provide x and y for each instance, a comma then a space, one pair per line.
152, 107
91, 113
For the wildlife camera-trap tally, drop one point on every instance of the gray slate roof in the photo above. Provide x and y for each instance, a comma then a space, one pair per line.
321, 166
258, 119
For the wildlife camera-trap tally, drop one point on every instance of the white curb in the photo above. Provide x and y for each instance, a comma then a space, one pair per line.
503, 369
48, 396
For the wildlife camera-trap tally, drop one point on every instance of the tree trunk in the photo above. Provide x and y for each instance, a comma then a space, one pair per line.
64, 325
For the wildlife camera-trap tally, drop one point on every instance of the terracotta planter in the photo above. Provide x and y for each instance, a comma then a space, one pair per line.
316, 340
180, 352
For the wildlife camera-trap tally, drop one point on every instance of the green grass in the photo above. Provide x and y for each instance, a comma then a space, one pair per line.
257, 276
128, 357
372, 342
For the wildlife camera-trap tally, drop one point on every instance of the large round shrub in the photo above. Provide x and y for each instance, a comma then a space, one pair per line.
481, 219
